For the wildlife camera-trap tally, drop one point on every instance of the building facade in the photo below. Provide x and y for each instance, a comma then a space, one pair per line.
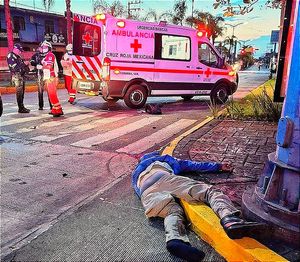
30, 28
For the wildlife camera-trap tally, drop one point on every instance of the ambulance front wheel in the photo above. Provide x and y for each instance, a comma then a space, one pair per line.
219, 95
135, 96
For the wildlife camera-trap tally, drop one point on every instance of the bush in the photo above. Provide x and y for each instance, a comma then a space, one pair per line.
258, 105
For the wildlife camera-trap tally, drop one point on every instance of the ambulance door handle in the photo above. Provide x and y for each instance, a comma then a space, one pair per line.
188, 66
198, 67
79, 62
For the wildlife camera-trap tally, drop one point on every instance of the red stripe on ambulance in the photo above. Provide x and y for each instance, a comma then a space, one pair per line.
93, 66
78, 70
86, 68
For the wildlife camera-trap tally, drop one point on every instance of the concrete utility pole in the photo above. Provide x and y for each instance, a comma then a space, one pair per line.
275, 199
132, 6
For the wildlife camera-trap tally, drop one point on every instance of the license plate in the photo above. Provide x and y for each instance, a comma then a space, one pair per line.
86, 85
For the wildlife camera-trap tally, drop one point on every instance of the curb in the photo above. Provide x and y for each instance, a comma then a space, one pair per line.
206, 224
30, 88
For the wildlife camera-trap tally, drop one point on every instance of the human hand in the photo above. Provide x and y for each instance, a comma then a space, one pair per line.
39, 67
226, 167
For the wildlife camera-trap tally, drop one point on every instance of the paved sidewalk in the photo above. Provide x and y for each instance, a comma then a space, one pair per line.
245, 144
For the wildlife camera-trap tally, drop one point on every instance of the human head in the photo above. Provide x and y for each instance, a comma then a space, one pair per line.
18, 49
69, 49
46, 47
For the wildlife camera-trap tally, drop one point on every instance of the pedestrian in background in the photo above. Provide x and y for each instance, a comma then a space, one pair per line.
36, 61
66, 63
18, 68
50, 77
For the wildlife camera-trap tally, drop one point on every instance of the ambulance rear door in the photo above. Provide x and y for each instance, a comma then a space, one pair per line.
86, 59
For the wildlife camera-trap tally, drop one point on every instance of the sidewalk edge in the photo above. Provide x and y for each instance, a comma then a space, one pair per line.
206, 224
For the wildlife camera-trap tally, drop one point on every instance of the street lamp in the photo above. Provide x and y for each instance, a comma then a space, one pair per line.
231, 41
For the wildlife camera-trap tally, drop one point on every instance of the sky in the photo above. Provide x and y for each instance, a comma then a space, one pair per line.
256, 27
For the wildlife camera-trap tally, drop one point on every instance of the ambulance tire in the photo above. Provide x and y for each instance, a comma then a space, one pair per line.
187, 98
135, 97
219, 94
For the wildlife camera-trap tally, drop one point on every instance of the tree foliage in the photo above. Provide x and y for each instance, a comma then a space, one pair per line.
213, 24
116, 8
48, 4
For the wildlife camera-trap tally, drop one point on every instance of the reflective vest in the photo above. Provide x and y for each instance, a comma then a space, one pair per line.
50, 59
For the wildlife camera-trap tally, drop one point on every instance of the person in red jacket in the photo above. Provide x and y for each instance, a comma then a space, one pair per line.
66, 63
50, 77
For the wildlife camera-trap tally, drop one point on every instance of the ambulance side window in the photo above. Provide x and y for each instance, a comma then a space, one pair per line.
86, 40
172, 47
207, 55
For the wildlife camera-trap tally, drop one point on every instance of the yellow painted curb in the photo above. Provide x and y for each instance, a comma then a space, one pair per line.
206, 224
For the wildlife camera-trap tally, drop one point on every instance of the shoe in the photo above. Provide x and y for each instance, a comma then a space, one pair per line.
57, 112
185, 251
24, 110
40, 108
71, 100
236, 227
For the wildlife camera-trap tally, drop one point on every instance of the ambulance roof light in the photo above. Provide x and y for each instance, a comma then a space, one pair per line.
162, 23
200, 33
121, 24
101, 17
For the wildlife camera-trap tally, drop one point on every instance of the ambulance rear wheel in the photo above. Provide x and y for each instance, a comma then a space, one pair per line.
135, 97
219, 95
187, 98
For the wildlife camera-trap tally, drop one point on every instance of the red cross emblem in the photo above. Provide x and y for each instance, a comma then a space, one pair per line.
135, 45
208, 72
87, 38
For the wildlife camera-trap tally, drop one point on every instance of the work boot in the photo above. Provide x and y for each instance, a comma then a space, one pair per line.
236, 227
23, 110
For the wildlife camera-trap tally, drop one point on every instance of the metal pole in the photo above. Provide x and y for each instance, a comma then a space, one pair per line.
275, 199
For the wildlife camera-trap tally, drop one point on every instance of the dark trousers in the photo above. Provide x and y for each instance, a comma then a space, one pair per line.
19, 83
41, 88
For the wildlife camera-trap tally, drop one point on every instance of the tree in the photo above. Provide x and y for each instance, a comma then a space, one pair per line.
234, 8
48, 4
10, 38
69, 21
116, 8
212, 24
151, 14
177, 15
179, 9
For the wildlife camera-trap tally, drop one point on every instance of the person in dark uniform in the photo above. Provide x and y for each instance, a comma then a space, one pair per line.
18, 68
36, 61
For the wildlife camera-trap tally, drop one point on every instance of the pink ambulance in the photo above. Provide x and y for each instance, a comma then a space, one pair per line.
132, 60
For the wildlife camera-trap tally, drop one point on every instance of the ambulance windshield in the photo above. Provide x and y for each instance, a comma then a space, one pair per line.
87, 39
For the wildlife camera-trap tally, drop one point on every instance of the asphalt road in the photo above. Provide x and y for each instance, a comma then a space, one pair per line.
53, 166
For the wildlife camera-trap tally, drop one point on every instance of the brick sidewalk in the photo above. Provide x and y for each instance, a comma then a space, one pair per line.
245, 144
